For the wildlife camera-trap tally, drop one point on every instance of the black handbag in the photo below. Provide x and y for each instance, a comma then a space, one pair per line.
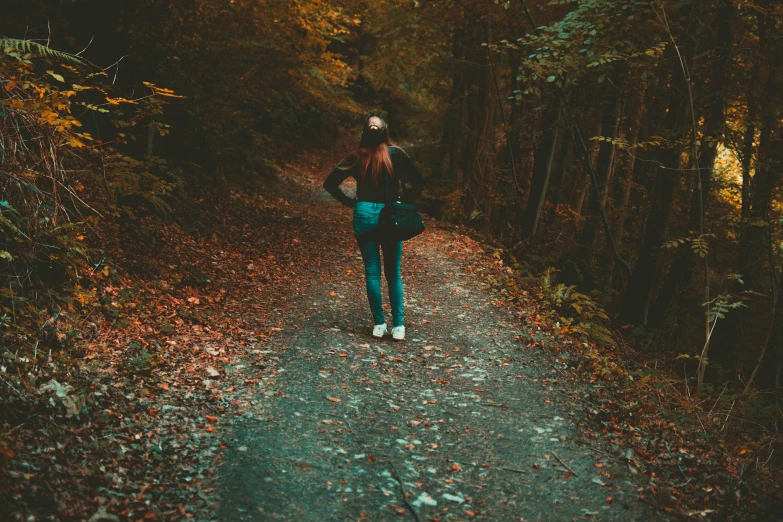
398, 221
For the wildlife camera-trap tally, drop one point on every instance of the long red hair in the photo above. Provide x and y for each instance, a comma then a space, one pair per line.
373, 152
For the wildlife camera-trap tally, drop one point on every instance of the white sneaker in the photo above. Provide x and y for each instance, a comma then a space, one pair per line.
398, 333
379, 330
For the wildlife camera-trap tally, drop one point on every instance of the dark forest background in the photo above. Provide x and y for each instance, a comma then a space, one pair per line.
624, 155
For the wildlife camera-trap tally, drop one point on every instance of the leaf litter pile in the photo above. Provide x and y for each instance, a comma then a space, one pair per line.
126, 422
240, 345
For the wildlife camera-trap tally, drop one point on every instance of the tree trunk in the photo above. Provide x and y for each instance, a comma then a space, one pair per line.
558, 181
512, 149
451, 136
542, 169
582, 181
638, 292
750, 130
479, 125
625, 180
604, 165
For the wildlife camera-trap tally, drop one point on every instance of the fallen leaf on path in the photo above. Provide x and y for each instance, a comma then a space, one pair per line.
334, 399
8, 452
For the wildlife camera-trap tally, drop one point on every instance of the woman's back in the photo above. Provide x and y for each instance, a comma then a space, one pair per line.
368, 189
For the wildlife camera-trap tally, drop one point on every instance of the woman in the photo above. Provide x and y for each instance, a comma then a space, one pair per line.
376, 165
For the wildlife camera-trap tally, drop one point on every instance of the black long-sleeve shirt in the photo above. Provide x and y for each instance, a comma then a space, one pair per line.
367, 190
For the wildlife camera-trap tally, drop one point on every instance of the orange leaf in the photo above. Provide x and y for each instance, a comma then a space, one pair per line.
334, 399
8, 452
455, 467
212, 418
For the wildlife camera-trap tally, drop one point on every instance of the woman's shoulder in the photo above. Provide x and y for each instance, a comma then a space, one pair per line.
394, 150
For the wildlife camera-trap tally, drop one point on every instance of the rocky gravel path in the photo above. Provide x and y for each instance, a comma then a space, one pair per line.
468, 418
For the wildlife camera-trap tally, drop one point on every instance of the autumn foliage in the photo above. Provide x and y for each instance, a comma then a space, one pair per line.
622, 157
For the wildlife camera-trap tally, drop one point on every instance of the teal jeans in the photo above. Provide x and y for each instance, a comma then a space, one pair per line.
365, 219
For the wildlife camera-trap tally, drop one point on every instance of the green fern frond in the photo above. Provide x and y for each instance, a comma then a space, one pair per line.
14, 46
161, 206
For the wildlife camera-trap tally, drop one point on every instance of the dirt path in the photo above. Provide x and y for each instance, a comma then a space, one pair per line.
461, 420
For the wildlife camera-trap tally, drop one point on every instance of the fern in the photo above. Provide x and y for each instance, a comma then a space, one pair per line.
579, 312
14, 46
160, 205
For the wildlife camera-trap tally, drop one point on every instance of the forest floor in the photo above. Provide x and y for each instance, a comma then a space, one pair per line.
231, 375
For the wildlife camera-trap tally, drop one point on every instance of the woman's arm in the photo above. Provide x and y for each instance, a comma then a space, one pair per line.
332, 186
410, 173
